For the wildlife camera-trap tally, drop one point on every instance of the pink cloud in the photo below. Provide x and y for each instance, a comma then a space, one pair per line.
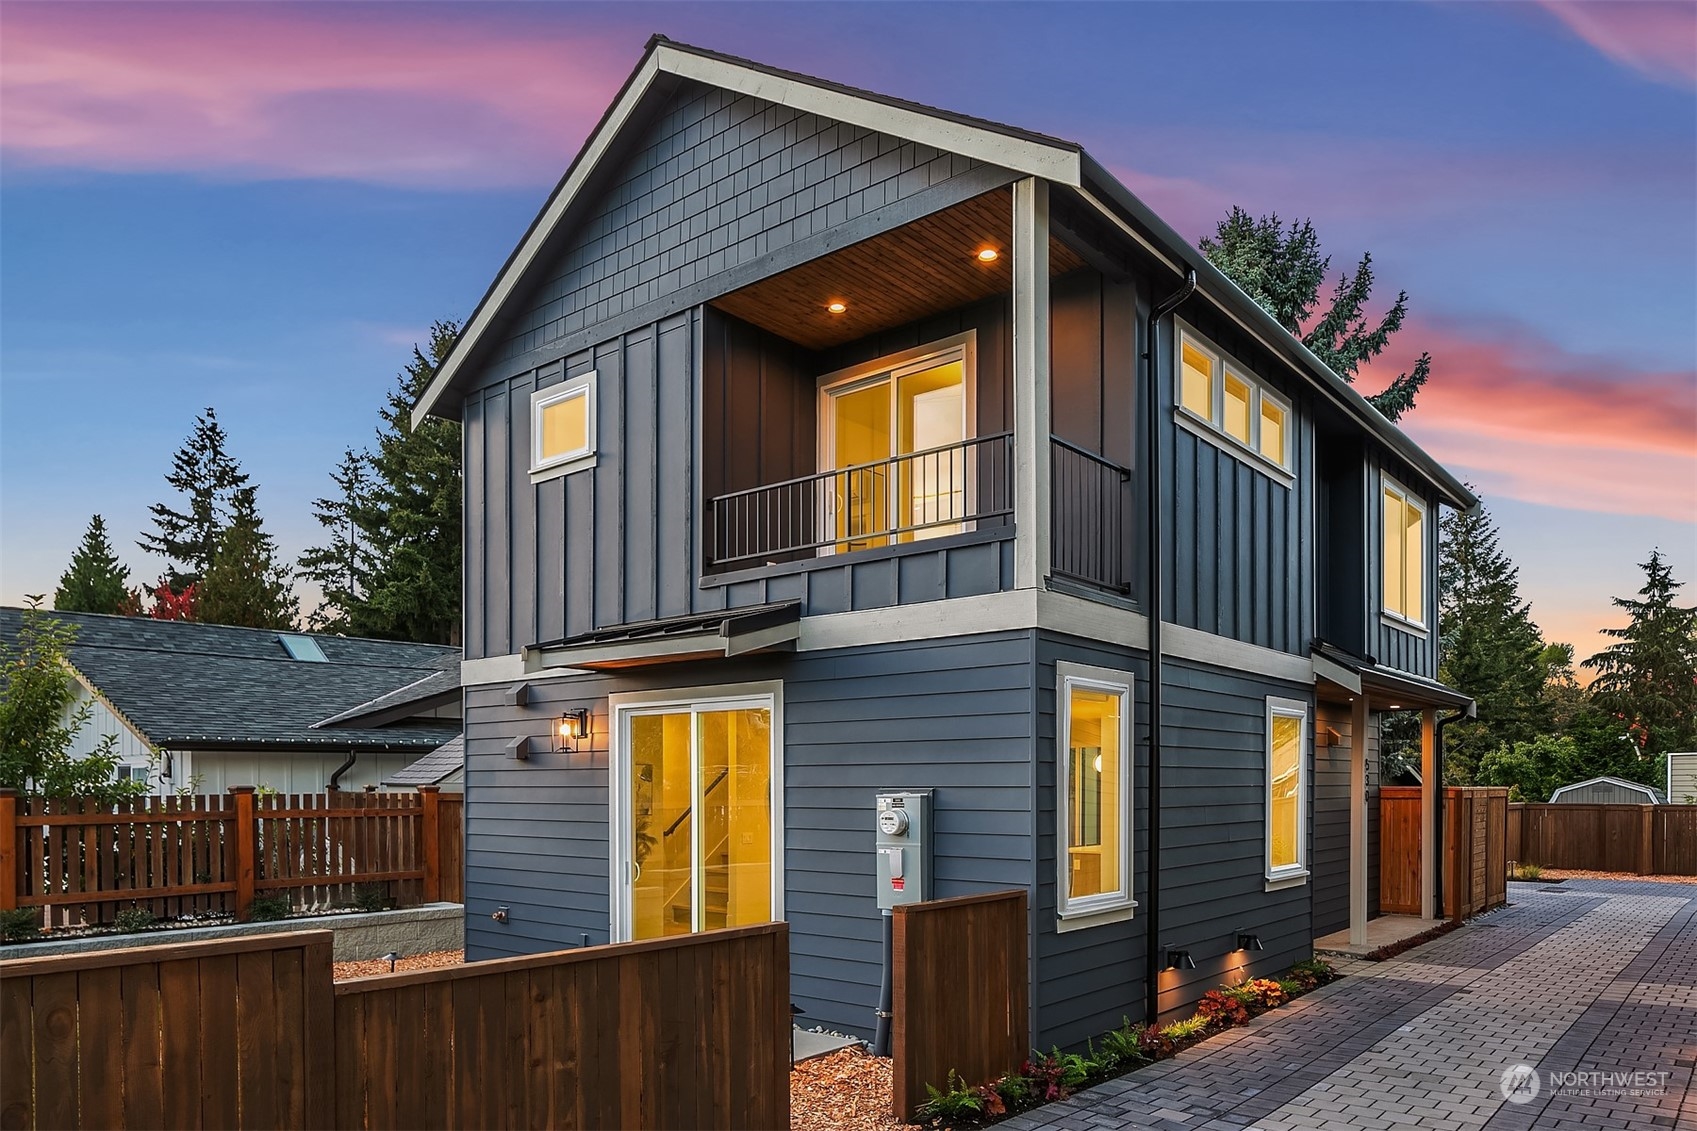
1524, 419
1657, 39
241, 90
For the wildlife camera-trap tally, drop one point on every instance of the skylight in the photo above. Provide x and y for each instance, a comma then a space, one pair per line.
303, 648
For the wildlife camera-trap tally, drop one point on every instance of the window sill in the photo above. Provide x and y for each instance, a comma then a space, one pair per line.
1287, 880
1402, 624
1205, 429
1083, 920
564, 467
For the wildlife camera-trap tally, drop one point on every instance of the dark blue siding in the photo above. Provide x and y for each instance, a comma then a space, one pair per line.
1404, 650
951, 715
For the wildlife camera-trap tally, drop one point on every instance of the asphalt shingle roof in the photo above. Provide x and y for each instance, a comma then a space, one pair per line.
434, 766
188, 686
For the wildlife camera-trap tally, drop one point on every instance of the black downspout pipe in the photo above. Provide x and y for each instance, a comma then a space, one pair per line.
1152, 607
1437, 830
886, 989
336, 778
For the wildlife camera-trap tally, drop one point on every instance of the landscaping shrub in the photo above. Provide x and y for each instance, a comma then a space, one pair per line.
132, 919
1188, 1029
269, 907
19, 924
1528, 872
956, 1100
373, 897
1221, 1009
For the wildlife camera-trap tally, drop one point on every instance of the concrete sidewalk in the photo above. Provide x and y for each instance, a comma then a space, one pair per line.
1590, 985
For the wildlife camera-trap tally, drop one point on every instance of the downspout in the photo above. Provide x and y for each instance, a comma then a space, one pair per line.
1438, 809
1153, 607
335, 778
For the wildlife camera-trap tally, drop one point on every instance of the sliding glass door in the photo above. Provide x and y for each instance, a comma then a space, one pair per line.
694, 830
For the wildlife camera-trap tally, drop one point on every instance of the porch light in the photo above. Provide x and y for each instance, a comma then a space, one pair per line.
836, 307
572, 726
988, 255
1249, 940
1178, 958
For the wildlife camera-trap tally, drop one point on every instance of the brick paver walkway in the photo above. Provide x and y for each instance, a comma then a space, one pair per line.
1591, 977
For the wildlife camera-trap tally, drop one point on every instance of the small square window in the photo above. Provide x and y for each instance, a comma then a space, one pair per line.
563, 423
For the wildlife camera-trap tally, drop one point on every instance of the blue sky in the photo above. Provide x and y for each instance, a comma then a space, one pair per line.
260, 207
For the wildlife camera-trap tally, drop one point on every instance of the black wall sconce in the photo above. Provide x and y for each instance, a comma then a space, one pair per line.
572, 725
1249, 940
1178, 958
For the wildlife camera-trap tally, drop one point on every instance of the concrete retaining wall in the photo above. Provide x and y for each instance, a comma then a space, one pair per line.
359, 935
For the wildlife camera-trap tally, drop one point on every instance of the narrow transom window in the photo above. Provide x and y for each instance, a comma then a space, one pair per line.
1222, 401
1093, 806
1404, 554
562, 424
1196, 387
1287, 817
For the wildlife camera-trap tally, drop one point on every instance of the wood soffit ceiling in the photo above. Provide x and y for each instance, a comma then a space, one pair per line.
911, 272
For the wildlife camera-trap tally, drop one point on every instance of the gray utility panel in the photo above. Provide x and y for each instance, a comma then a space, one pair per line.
904, 848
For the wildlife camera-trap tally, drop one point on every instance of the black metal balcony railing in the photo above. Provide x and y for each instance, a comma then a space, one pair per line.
926, 494
1089, 517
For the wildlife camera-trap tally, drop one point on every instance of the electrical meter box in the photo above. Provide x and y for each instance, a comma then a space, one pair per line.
904, 847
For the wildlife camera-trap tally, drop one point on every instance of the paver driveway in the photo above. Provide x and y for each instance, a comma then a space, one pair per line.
1591, 977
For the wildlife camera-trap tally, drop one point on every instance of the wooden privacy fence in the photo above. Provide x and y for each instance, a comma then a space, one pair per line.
81, 862
687, 1032
960, 990
1641, 839
1475, 843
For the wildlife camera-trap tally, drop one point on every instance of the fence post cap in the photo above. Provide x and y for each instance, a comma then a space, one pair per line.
429, 789
242, 789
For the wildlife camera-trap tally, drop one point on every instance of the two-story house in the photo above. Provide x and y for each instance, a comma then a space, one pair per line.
817, 444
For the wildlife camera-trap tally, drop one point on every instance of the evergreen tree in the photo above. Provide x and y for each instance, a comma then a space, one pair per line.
1283, 270
405, 522
204, 472
1488, 645
245, 584
1647, 683
95, 581
343, 567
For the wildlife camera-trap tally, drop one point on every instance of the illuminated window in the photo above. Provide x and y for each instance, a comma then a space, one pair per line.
1287, 826
1404, 554
1093, 814
1222, 401
562, 425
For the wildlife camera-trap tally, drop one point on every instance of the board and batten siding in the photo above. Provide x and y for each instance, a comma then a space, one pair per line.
952, 715
132, 749
1214, 829
1415, 652
718, 180
1238, 544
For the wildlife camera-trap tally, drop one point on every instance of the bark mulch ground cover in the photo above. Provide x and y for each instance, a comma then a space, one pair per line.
1582, 874
847, 1090
346, 970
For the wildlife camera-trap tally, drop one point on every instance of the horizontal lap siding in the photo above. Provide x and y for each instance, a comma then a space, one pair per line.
1213, 791
718, 180
1238, 545
954, 716
1087, 979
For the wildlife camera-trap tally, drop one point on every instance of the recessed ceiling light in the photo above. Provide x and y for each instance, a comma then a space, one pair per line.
988, 255
836, 307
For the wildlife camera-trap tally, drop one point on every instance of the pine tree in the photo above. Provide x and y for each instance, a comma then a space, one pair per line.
1283, 270
343, 567
1647, 683
205, 473
95, 581
405, 521
245, 584
1488, 645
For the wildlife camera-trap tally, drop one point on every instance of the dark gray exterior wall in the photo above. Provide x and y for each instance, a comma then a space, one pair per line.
1404, 650
718, 181
1330, 881
951, 715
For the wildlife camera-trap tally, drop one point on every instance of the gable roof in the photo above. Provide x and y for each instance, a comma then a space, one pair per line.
1008, 147
186, 686
1650, 792
426, 693
435, 767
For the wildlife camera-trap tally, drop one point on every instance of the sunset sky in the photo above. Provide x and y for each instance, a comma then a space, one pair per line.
262, 207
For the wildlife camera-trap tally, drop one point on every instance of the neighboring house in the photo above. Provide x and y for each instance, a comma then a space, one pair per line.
202, 707
443, 766
1682, 778
1607, 791
810, 438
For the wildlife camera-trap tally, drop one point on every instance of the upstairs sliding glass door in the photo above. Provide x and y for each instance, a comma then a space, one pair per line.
894, 437
694, 823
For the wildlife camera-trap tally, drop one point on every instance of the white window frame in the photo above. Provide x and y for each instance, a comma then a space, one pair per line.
620, 709
1409, 499
1213, 426
1289, 875
1108, 907
581, 385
